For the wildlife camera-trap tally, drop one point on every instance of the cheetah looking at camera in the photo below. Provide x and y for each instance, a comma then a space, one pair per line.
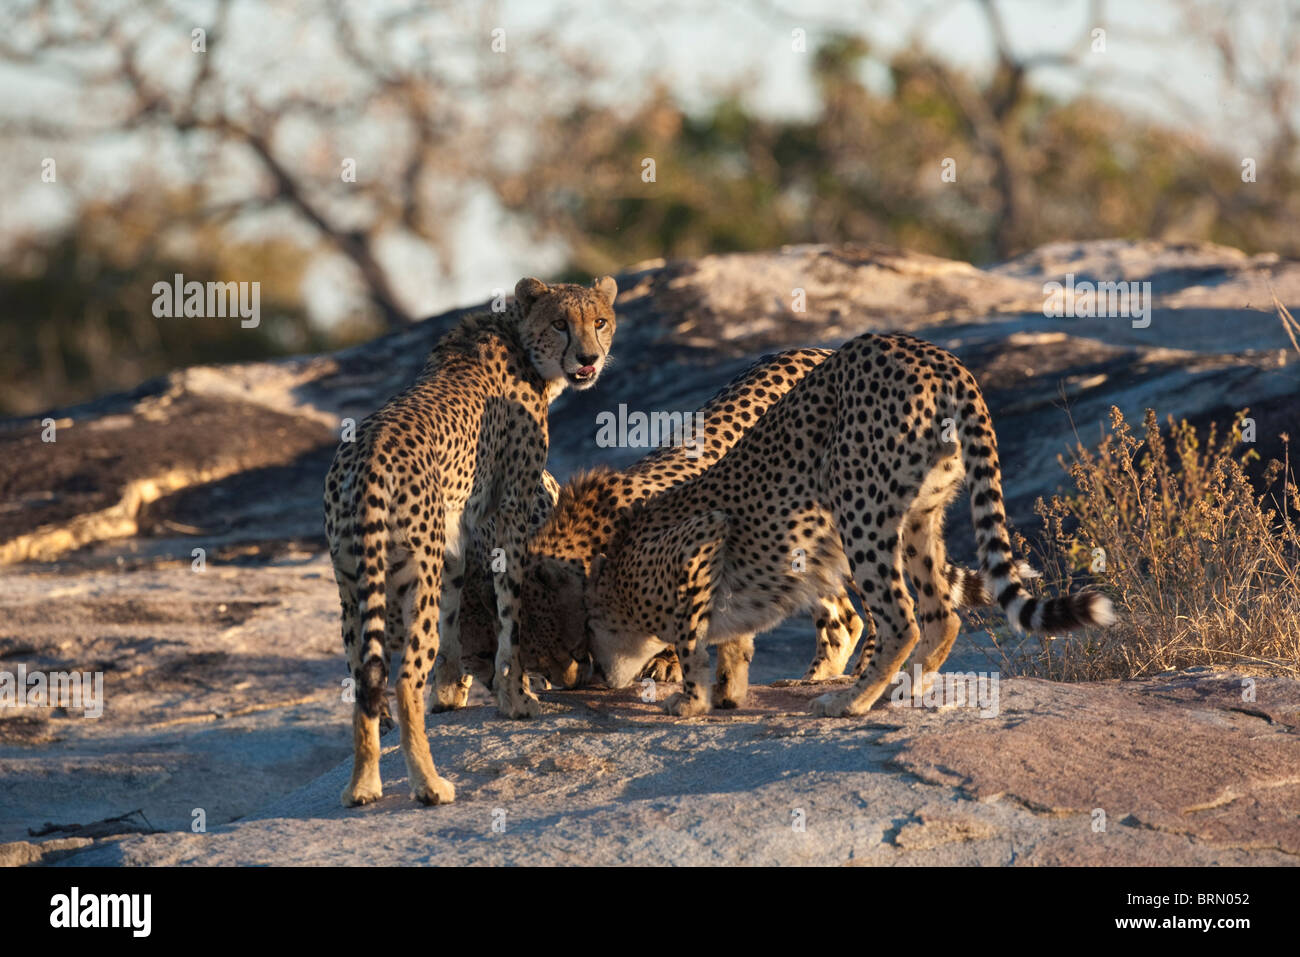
592, 506
851, 469
461, 449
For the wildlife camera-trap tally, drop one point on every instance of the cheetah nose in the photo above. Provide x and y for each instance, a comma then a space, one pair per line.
587, 362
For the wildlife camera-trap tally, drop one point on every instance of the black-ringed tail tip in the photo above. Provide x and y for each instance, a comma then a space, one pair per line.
1080, 610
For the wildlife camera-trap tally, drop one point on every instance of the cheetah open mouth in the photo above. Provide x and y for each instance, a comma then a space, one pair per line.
584, 376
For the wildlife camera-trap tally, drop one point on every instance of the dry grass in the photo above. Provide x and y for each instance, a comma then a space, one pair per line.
1203, 569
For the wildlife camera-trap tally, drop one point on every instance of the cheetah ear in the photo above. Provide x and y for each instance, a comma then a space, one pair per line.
528, 291
607, 288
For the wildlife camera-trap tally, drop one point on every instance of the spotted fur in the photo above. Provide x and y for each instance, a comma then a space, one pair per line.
851, 469
458, 453
592, 505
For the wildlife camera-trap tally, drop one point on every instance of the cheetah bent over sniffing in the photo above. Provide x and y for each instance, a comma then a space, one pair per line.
851, 470
592, 507
460, 450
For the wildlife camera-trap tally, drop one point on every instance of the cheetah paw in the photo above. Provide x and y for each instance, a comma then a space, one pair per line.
684, 707
728, 699
448, 699
830, 706
520, 707
666, 672
437, 791
359, 793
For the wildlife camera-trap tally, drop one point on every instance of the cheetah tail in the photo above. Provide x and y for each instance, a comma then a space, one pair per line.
373, 597
1002, 577
968, 587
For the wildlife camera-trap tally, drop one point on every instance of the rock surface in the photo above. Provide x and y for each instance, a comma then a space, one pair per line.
604, 778
232, 457
222, 676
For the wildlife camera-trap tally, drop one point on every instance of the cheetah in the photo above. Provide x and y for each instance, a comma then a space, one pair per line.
590, 508
602, 492
852, 469
461, 449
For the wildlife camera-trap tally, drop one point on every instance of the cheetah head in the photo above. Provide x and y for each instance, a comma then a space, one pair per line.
618, 654
567, 329
553, 625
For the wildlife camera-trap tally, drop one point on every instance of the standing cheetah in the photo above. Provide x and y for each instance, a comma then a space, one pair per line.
852, 470
593, 506
463, 447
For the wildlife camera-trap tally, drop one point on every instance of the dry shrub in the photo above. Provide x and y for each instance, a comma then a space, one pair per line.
1203, 569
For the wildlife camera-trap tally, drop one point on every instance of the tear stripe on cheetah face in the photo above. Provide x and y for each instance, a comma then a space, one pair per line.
567, 330
851, 466
591, 508
459, 453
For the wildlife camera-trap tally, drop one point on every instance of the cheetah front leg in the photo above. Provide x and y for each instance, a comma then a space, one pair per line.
705, 540
731, 689
892, 606
663, 668
693, 699
515, 698
450, 682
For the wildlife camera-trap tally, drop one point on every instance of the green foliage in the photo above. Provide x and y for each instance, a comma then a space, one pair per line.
866, 168
78, 318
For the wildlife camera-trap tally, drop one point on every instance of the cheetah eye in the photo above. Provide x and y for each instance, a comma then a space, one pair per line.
600, 323
559, 325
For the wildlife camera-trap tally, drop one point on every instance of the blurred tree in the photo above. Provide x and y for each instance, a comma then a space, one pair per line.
240, 163
78, 315
867, 168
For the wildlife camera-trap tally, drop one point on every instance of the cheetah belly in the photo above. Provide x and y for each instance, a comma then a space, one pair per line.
454, 531
755, 597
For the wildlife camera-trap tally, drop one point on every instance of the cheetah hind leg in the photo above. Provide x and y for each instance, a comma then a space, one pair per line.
896, 614
515, 698
451, 683
926, 566
394, 639
369, 667
420, 612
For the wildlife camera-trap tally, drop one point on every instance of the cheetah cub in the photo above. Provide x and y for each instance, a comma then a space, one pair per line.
461, 450
851, 470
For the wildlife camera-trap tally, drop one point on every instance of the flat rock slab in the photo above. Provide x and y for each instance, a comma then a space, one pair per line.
602, 777
1186, 756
